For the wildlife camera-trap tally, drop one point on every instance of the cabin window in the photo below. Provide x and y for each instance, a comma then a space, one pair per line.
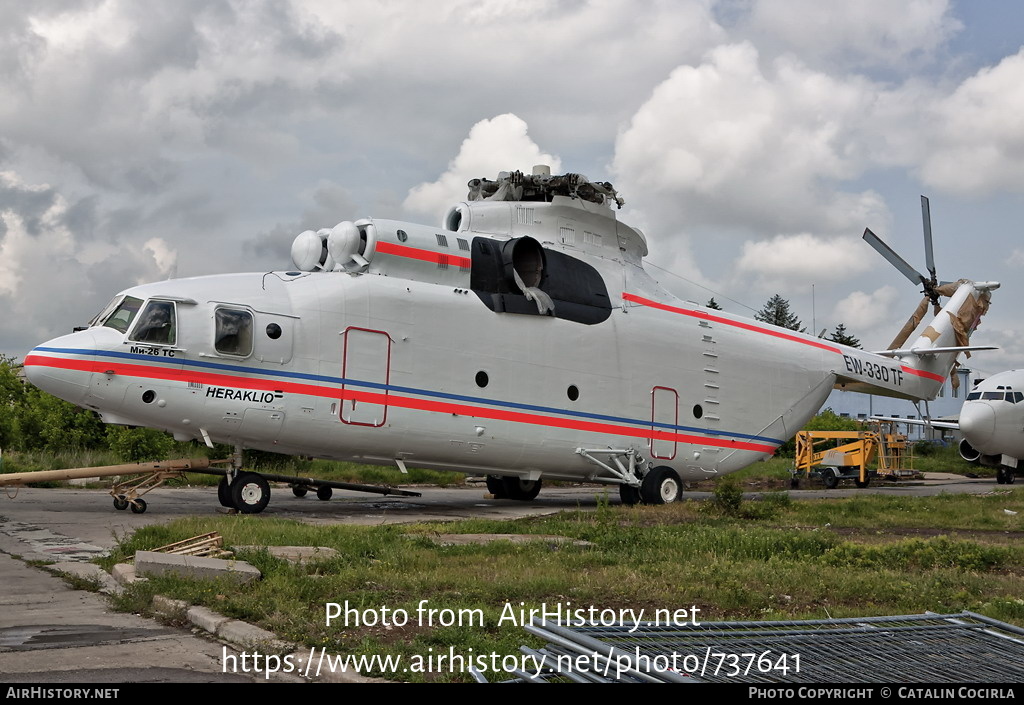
273, 331
482, 379
573, 392
233, 335
155, 323
121, 319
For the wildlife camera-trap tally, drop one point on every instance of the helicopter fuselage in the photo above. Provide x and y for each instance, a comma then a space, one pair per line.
521, 340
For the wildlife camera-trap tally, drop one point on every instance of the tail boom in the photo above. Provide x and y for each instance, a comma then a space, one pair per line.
919, 370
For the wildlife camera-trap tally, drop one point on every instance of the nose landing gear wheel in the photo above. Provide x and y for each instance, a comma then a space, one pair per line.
661, 486
250, 493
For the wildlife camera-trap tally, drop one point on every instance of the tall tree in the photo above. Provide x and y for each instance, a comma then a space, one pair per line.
841, 336
777, 312
713, 304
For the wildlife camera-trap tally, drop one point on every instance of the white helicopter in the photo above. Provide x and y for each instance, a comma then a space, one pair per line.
521, 340
992, 423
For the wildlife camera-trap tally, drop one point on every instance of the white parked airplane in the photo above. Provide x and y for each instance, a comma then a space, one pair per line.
522, 340
992, 423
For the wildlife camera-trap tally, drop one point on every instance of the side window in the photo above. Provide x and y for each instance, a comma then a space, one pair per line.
233, 335
155, 324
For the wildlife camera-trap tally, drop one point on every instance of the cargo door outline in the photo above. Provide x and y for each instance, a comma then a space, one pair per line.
367, 363
664, 412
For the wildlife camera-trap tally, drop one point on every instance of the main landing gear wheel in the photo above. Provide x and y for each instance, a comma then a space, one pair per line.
138, 506
224, 494
323, 493
496, 486
300, 490
629, 495
661, 486
1009, 476
120, 503
250, 493
518, 488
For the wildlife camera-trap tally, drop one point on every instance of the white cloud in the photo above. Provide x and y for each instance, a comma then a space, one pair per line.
730, 143
977, 143
498, 144
50, 279
862, 311
794, 262
164, 256
875, 32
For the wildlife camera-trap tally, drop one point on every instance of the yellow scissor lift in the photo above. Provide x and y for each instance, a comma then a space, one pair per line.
822, 454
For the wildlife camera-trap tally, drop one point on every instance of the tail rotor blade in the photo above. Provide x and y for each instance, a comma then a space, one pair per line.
926, 217
894, 259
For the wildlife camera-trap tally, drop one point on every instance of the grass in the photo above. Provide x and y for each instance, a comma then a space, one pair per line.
773, 560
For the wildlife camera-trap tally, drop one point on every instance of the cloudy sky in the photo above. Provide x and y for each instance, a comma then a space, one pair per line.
753, 140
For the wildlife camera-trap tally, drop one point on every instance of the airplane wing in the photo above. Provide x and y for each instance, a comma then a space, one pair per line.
920, 422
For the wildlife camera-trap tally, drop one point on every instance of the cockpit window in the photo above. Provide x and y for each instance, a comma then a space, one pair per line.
993, 396
973, 395
156, 324
121, 319
233, 335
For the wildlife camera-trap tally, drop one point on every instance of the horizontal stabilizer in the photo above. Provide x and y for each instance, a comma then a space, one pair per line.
920, 422
921, 352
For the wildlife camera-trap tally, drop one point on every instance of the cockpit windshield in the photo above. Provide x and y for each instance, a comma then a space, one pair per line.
121, 319
1012, 397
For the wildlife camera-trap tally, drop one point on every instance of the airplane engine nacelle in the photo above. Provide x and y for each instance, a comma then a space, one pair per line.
968, 452
347, 245
310, 253
352, 245
523, 257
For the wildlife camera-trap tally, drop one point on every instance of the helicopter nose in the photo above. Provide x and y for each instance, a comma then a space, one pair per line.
977, 423
51, 367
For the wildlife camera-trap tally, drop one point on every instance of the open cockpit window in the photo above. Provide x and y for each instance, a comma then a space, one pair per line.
123, 316
233, 335
156, 324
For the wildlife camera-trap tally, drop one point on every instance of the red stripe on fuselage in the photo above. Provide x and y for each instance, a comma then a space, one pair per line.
726, 321
757, 329
922, 373
177, 375
390, 248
